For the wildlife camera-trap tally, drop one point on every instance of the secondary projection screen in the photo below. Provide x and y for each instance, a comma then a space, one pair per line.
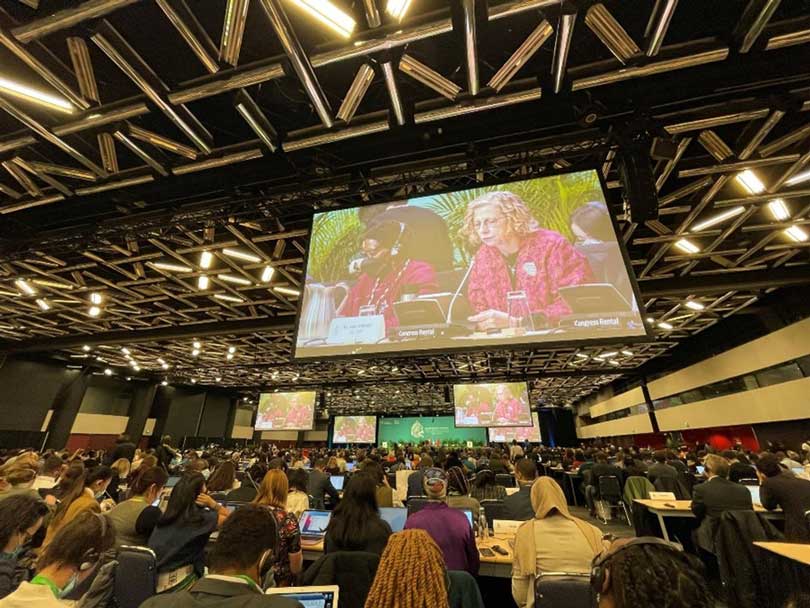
286, 411
517, 433
527, 262
355, 429
491, 405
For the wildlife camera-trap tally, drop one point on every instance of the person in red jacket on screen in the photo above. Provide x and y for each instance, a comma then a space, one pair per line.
514, 254
507, 407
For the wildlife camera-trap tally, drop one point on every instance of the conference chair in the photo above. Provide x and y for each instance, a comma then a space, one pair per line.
135, 577
493, 509
610, 492
569, 589
506, 480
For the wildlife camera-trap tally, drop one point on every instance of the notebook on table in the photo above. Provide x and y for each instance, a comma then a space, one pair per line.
325, 596
313, 526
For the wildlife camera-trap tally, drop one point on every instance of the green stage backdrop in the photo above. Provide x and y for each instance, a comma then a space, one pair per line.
423, 428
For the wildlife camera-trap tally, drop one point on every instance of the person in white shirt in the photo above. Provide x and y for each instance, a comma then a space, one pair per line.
515, 451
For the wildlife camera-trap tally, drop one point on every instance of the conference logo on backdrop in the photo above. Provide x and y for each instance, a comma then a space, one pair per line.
417, 430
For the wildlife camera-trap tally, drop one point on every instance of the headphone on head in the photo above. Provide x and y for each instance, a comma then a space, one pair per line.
599, 565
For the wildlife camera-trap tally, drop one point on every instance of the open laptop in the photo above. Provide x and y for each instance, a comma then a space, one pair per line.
313, 526
395, 516
325, 596
172, 481
337, 481
754, 494
350, 466
469, 514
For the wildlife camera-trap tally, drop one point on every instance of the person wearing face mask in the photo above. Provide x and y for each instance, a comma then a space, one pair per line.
246, 542
596, 240
512, 254
135, 518
82, 497
20, 518
389, 268
70, 558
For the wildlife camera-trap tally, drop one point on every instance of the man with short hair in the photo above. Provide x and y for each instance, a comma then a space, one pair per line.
518, 506
415, 485
124, 448
660, 468
601, 468
716, 496
515, 451
165, 453
49, 476
246, 542
447, 526
320, 484
737, 470
782, 488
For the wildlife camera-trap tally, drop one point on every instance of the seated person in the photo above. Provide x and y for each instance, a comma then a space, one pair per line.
518, 506
135, 518
553, 541
514, 254
223, 478
448, 527
412, 567
384, 492
297, 498
390, 268
356, 524
458, 491
182, 532
781, 488
288, 559
416, 479
70, 558
246, 542
660, 468
83, 496
715, 496
602, 468
739, 467
655, 574
485, 487
21, 517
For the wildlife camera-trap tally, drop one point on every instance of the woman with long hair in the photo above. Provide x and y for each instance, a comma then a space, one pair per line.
384, 493
554, 541
181, 533
223, 478
20, 518
288, 559
82, 497
356, 524
485, 487
297, 498
121, 471
135, 518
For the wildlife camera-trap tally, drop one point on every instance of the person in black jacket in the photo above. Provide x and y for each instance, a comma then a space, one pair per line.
738, 466
518, 506
356, 524
165, 453
246, 542
415, 487
783, 489
124, 448
660, 468
601, 468
714, 497
319, 485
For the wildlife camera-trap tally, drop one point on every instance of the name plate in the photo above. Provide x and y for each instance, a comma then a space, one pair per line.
662, 496
356, 330
505, 527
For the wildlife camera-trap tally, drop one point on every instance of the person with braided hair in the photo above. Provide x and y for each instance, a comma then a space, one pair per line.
649, 573
412, 574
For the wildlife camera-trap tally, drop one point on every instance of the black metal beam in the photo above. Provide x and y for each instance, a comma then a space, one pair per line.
743, 280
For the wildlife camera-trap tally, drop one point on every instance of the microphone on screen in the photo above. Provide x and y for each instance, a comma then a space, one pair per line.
458, 291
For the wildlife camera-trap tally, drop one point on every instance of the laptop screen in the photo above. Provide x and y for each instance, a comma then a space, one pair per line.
310, 597
337, 481
754, 494
395, 517
350, 466
172, 481
469, 514
313, 523
798, 470
700, 469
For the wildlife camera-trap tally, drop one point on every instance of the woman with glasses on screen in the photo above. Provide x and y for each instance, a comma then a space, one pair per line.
514, 255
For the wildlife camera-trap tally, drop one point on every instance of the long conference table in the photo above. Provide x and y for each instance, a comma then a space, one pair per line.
499, 566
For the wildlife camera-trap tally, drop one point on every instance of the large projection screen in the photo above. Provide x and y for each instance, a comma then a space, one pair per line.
522, 263
286, 411
517, 433
492, 405
355, 429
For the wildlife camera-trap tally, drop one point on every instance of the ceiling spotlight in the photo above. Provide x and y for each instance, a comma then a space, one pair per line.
129, 378
694, 305
582, 355
161, 360
613, 362
717, 219
779, 210
799, 178
218, 379
751, 182
206, 257
164, 365
231, 349
197, 344
687, 246
94, 311
125, 350
136, 367
194, 381
397, 8
267, 274
794, 233
203, 282
25, 286
627, 353
164, 383
241, 255
665, 325
19, 90
287, 291
169, 267
227, 298
612, 353
229, 356
329, 14
43, 304
195, 352
108, 372
96, 298
86, 348
230, 278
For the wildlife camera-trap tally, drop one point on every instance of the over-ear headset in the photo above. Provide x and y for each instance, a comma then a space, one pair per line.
598, 567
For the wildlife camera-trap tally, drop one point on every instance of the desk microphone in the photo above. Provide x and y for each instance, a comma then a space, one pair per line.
458, 291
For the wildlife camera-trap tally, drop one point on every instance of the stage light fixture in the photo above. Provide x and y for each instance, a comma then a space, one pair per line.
229, 356
230, 278
197, 344
779, 210
43, 304
687, 246
717, 219
231, 349
86, 348
94, 311
169, 267
694, 305
796, 233
195, 352
203, 282
218, 379
241, 255
267, 274
164, 383
96, 298
108, 372
665, 325
287, 291
24, 286
21, 91
751, 182
397, 8
799, 178
206, 259
328, 14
